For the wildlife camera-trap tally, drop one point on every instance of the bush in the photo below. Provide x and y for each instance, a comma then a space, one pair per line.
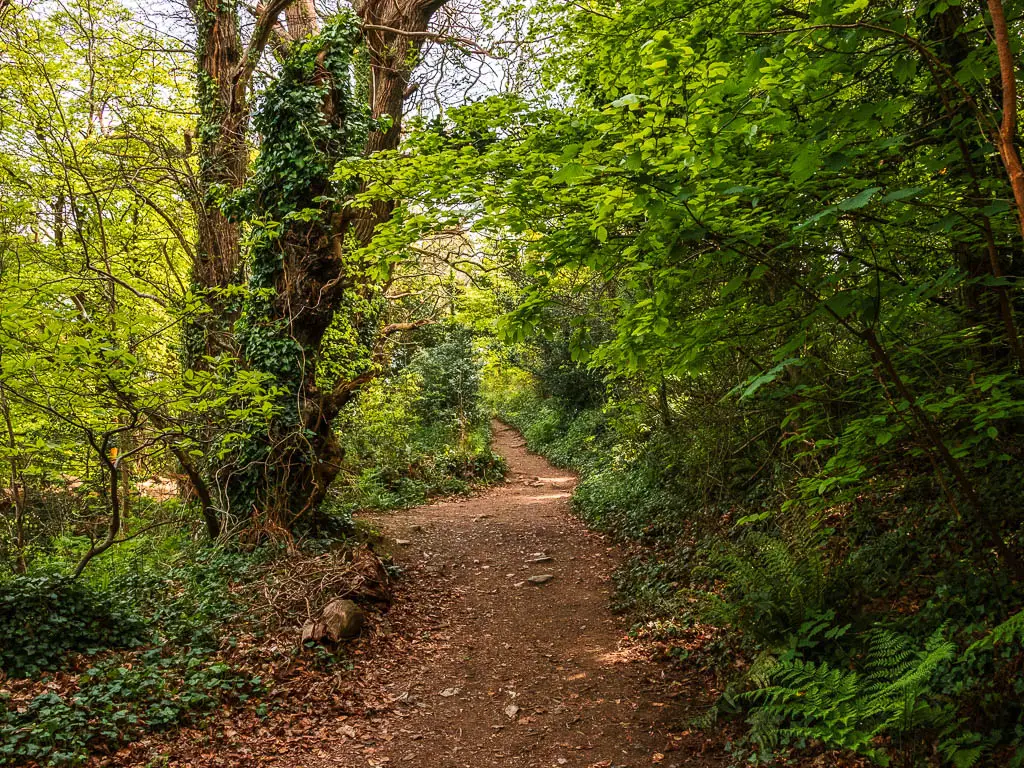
44, 617
766, 586
114, 703
890, 694
449, 379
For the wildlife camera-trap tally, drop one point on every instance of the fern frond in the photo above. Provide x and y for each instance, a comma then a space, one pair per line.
1010, 631
852, 708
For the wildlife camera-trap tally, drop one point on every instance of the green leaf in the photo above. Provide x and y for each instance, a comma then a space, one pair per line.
902, 194
569, 173
859, 200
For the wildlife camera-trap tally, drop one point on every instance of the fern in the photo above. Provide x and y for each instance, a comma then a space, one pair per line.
770, 584
851, 709
1010, 631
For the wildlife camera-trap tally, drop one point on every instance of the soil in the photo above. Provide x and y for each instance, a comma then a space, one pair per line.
476, 666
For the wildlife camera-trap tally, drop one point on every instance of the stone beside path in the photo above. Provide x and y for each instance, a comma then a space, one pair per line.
501, 649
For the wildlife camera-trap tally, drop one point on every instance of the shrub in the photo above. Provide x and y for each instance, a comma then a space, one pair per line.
889, 694
766, 586
44, 617
114, 703
449, 375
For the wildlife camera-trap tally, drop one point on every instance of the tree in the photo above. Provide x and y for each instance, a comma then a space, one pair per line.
773, 192
301, 265
93, 243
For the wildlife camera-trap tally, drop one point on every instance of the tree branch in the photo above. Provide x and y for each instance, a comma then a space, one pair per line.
266, 20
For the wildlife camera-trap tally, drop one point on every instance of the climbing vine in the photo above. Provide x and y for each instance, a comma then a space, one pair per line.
299, 268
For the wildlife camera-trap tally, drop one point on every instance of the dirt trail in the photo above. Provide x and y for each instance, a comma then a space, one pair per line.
475, 666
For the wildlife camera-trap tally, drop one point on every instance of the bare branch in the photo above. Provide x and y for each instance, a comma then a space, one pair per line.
265, 23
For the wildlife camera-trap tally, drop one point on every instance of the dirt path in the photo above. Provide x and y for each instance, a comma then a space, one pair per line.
475, 666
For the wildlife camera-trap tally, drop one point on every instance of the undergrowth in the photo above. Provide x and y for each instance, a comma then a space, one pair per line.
141, 638
858, 628
139, 644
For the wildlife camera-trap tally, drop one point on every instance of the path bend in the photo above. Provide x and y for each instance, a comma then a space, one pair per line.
477, 667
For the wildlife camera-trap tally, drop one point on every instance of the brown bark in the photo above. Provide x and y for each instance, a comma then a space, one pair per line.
394, 34
113, 465
224, 71
1006, 136
17, 486
314, 279
224, 155
302, 20
303, 454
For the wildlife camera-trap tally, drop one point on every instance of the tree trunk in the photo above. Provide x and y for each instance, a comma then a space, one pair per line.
224, 68
309, 273
223, 164
394, 33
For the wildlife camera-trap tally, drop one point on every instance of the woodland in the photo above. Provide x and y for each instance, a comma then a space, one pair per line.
746, 267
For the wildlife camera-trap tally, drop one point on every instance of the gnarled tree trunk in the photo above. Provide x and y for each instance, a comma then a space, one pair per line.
302, 276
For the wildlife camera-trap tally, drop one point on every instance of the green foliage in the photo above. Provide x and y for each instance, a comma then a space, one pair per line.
43, 617
449, 374
114, 703
890, 694
179, 600
795, 596
751, 270
762, 270
420, 431
309, 119
186, 595
767, 586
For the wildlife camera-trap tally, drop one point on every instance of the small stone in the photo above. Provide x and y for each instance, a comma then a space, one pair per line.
519, 584
348, 730
403, 542
511, 711
449, 692
543, 578
343, 619
541, 559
